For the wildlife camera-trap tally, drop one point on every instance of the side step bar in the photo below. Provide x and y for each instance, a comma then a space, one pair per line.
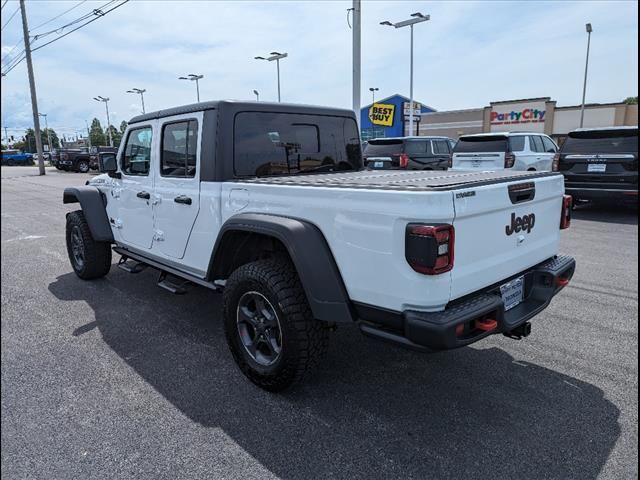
132, 266
165, 270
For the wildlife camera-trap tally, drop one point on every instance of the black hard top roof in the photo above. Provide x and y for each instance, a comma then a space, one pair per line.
244, 105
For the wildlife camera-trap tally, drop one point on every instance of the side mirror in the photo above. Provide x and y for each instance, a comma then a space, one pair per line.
107, 163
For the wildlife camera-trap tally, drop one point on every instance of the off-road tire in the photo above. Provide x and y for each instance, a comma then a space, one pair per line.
82, 166
96, 255
304, 339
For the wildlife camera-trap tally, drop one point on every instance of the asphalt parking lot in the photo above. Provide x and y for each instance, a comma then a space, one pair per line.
117, 378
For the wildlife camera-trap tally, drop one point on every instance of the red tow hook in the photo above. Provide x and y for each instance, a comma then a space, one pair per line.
487, 324
562, 282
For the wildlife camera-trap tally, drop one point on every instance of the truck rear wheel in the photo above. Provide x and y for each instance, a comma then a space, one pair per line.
89, 259
82, 166
269, 327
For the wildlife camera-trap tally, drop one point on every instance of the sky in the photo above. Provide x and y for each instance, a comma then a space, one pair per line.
467, 55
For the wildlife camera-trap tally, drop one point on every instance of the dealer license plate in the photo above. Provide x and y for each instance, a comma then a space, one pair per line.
512, 293
597, 167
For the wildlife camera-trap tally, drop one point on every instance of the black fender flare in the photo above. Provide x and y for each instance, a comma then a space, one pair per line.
93, 204
311, 257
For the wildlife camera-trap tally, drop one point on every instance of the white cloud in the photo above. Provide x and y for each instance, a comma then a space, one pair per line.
467, 55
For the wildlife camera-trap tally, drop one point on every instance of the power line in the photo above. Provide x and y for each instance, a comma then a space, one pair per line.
12, 15
95, 12
77, 28
101, 13
4, 3
58, 16
11, 51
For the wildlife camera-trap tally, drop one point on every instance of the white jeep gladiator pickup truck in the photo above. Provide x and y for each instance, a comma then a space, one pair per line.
269, 204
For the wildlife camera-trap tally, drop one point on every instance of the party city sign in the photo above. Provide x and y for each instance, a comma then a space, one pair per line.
526, 115
382, 114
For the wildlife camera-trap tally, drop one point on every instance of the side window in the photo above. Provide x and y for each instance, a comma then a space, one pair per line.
179, 143
549, 146
517, 143
136, 157
440, 146
415, 147
287, 144
536, 143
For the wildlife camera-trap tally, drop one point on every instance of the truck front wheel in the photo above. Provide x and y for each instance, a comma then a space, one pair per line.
82, 166
270, 330
89, 259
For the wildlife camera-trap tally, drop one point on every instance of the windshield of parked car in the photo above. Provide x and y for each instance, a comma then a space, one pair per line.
601, 142
481, 144
383, 147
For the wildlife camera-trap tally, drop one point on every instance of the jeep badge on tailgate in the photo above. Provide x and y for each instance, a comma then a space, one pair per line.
518, 224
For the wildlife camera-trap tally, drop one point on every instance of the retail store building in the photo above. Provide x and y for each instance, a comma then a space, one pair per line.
389, 116
530, 114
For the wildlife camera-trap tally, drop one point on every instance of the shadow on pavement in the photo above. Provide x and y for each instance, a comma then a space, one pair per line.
611, 212
373, 410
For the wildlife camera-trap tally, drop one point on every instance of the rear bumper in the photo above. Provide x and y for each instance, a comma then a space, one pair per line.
456, 325
600, 193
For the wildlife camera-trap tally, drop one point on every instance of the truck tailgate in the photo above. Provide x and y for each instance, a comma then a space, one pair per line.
485, 161
499, 234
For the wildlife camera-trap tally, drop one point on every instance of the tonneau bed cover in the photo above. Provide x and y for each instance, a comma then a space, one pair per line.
419, 180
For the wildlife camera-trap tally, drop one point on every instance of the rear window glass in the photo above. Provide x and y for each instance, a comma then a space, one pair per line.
516, 144
440, 146
601, 142
284, 144
383, 147
481, 144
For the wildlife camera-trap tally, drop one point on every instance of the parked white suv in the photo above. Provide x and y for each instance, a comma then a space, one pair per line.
499, 151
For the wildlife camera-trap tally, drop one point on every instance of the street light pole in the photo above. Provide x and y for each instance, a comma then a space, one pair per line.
46, 127
257, 94
275, 56
141, 93
586, 66
106, 104
195, 78
373, 94
417, 18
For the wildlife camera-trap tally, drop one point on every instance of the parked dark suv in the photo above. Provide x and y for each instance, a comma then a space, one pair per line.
410, 153
600, 163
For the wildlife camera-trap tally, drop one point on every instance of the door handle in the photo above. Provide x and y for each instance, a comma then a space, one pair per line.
183, 199
143, 194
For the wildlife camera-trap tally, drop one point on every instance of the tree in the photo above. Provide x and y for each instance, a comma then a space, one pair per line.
3, 146
123, 127
116, 136
30, 139
631, 100
96, 134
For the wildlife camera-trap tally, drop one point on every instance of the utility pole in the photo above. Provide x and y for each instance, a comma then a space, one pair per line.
88, 133
356, 35
32, 87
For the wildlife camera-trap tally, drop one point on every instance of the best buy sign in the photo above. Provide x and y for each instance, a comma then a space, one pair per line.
382, 114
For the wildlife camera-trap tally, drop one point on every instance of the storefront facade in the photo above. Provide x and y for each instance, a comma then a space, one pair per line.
532, 115
386, 117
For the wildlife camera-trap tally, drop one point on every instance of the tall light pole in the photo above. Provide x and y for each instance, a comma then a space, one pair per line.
373, 93
194, 78
356, 57
257, 94
88, 133
275, 56
141, 93
586, 66
106, 104
32, 88
46, 127
417, 18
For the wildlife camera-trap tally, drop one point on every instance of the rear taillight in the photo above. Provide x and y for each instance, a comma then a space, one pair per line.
429, 248
565, 219
509, 160
450, 164
555, 165
404, 160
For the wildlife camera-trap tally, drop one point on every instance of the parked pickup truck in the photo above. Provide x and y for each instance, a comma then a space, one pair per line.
73, 159
269, 204
94, 153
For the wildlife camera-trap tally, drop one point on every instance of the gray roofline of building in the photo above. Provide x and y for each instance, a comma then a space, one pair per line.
465, 110
592, 105
546, 99
253, 105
